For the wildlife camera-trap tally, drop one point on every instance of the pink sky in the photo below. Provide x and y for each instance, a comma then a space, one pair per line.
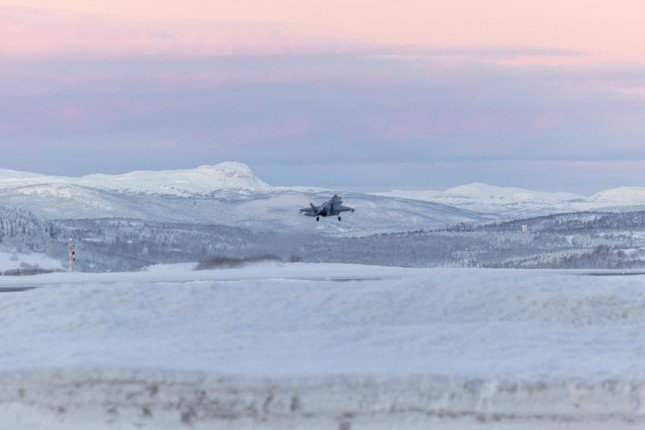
600, 30
91, 85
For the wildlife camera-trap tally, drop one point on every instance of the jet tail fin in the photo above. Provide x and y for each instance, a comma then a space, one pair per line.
314, 208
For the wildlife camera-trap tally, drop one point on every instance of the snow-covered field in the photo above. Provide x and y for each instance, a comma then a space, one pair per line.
323, 346
16, 260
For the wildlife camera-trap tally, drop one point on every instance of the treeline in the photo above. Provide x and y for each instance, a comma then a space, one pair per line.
580, 240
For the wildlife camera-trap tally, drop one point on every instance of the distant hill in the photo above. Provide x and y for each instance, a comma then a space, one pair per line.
224, 194
511, 202
569, 223
608, 240
230, 194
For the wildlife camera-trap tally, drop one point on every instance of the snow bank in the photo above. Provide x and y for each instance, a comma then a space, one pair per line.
324, 346
149, 399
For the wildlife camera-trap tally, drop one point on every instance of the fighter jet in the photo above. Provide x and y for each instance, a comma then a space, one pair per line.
332, 207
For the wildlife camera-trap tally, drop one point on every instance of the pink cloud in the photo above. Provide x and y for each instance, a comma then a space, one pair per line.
604, 31
33, 33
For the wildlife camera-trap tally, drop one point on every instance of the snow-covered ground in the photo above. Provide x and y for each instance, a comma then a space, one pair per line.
16, 260
323, 346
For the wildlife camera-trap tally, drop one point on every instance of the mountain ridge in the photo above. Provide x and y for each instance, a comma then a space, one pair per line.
201, 180
226, 193
229, 193
487, 198
209, 178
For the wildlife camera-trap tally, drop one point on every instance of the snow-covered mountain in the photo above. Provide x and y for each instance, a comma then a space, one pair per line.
230, 194
633, 196
199, 181
518, 202
226, 193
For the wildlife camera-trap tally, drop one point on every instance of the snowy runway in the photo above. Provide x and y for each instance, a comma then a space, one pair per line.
353, 345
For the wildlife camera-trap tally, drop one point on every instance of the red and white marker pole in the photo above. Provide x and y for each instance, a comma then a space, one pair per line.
72, 254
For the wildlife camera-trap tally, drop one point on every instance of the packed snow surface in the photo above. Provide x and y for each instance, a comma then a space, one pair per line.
316, 345
328, 319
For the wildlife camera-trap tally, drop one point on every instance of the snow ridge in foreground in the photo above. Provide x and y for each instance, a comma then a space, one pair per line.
296, 346
148, 399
